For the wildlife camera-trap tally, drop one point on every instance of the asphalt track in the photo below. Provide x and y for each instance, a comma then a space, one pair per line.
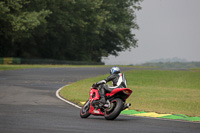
28, 105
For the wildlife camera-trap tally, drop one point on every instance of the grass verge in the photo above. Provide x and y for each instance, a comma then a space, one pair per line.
14, 67
173, 92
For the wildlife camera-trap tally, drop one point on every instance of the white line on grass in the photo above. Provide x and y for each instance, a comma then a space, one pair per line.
58, 96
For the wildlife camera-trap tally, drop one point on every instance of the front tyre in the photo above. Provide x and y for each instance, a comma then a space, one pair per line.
85, 110
114, 110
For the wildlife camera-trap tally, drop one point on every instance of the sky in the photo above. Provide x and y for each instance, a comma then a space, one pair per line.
168, 29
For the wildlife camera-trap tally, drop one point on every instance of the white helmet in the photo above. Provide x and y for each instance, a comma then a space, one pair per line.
114, 70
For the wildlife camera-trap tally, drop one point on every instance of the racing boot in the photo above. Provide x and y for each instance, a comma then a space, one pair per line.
99, 102
102, 100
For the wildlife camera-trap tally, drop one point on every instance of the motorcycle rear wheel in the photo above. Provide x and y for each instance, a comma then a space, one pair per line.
114, 110
85, 110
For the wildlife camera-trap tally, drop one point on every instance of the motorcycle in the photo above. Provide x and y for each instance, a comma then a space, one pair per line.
115, 103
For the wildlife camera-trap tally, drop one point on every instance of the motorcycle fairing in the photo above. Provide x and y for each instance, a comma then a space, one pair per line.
94, 95
126, 91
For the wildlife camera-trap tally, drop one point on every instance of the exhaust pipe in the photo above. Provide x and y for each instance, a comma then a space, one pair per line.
126, 106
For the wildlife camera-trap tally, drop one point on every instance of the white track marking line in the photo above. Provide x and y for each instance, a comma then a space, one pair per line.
58, 96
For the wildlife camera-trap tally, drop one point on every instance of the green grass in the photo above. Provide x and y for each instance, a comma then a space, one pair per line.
195, 69
14, 67
175, 92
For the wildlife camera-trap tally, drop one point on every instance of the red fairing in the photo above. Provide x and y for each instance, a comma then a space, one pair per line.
95, 93
125, 90
95, 112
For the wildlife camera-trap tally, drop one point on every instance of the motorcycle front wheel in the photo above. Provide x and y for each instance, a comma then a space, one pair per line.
85, 110
114, 110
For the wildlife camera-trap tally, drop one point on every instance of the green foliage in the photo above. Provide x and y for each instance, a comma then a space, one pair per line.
17, 23
15, 17
82, 30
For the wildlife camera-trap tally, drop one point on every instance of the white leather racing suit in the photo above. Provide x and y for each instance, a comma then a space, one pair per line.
118, 81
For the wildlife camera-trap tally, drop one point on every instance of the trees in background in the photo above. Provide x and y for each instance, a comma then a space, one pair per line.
83, 30
17, 24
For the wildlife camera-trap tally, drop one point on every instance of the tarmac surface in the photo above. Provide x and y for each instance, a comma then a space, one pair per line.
28, 104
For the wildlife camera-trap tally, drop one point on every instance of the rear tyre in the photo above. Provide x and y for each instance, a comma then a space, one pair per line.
85, 110
114, 110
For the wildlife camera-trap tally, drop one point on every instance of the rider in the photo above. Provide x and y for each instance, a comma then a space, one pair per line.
118, 80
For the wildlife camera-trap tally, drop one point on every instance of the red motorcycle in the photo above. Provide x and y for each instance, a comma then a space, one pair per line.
115, 103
